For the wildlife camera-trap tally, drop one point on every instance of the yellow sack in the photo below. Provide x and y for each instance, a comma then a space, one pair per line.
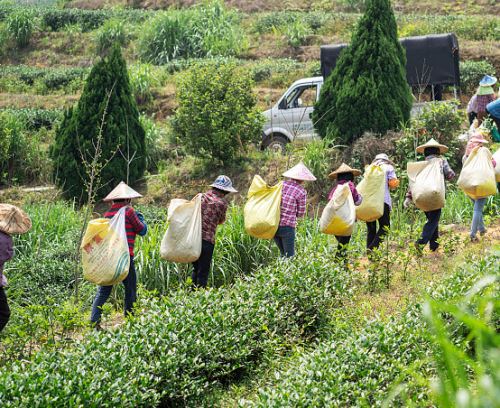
182, 240
427, 184
104, 249
496, 156
339, 215
372, 189
263, 209
477, 178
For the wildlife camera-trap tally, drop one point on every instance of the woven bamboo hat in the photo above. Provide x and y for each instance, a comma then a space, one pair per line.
299, 172
432, 143
13, 220
344, 168
122, 192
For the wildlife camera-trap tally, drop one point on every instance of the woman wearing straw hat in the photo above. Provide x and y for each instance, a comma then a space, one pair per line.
430, 233
13, 220
293, 206
485, 95
477, 140
121, 196
374, 237
213, 213
345, 174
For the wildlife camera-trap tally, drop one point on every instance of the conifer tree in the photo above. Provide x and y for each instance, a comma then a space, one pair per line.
367, 90
107, 110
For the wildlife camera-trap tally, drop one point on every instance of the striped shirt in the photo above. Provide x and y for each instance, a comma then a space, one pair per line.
133, 225
293, 203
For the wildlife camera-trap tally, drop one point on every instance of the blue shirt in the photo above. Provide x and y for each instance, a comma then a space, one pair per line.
494, 108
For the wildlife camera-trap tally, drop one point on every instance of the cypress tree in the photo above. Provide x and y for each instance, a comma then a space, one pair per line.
367, 90
107, 94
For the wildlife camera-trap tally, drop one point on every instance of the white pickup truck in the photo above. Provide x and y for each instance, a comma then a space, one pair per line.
289, 120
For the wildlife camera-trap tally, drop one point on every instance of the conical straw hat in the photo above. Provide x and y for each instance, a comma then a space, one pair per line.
13, 220
344, 168
122, 192
432, 143
299, 172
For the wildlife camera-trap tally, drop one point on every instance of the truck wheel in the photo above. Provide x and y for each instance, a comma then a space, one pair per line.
277, 144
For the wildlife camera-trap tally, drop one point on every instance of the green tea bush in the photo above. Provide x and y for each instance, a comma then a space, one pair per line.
297, 33
57, 19
438, 120
279, 72
35, 119
112, 32
206, 30
43, 80
184, 343
471, 73
20, 26
385, 363
217, 115
281, 21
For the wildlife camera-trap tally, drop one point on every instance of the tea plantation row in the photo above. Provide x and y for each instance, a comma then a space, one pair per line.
364, 367
179, 346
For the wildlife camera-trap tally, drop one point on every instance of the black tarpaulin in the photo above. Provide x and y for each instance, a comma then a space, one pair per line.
430, 59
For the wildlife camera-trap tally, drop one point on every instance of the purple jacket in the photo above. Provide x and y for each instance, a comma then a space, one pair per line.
6, 253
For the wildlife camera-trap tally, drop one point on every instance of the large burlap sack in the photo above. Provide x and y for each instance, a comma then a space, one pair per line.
263, 209
496, 156
427, 184
339, 215
477, 178
372, 189
104, 249
13, 220
182, 240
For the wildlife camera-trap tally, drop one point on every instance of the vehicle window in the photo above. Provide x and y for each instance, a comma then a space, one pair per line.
306, 93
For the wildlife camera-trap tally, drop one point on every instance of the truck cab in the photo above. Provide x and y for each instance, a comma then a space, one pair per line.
289, 120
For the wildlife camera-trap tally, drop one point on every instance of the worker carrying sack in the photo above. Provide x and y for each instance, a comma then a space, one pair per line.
104, 249
372, 189
427, 184
339, 215
496, 156
262, 211
182, 240
477, 178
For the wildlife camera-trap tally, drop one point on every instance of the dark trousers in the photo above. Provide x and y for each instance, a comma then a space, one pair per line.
201, 267
285, 240
472, 116
342, 248
4, 309
430, 233
130, 283
374, 237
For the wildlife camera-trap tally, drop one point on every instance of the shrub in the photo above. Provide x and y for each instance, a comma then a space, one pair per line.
156, 143
142, 80
206, 30
20, 26
471, 73
113, 31
367, 90
22, 159
439, 120
106, 111
57, 19
217, 116
296, 33
186, 342
35, 119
